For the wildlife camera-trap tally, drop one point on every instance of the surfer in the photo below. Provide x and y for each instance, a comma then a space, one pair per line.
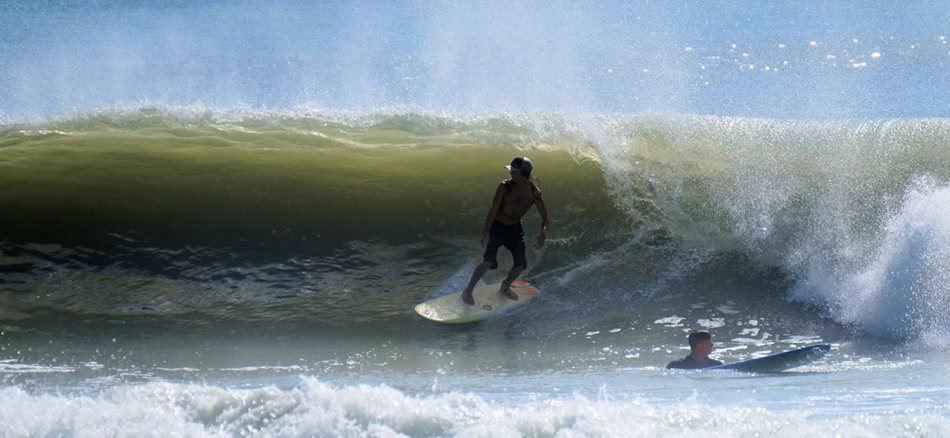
513, 197
700, 345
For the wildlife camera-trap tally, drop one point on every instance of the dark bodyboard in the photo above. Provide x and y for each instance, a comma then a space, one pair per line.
778, 362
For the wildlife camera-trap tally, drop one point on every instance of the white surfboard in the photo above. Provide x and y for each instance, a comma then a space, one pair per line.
450, 309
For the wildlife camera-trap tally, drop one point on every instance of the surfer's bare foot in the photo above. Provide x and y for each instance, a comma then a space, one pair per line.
506, 291
467, 298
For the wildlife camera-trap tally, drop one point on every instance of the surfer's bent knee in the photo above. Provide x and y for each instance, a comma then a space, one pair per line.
489, 264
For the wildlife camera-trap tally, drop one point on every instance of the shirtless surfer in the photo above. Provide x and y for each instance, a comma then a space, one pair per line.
513, 197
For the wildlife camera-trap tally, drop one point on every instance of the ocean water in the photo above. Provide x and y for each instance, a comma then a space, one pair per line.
216, 218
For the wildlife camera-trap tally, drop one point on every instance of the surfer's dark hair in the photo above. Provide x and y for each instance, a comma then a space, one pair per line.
697, 336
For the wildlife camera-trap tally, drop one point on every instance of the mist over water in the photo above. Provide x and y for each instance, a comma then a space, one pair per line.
813, 61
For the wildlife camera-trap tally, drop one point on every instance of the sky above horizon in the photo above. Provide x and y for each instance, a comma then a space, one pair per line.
808, 60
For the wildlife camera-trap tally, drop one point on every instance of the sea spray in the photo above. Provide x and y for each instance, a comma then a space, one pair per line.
905, 291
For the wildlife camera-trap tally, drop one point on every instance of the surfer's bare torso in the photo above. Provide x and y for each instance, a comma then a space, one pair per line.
514, 198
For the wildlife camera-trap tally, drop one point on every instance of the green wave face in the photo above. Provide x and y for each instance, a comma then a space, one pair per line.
376, 210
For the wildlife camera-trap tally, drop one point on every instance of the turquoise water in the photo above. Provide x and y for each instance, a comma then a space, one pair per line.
218, 217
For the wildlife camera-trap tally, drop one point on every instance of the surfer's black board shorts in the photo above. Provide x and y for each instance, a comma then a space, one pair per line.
509, 236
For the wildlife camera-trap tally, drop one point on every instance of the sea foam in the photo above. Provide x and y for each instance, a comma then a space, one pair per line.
315, 408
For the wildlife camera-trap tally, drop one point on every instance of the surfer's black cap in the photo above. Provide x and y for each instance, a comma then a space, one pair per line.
520, 164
